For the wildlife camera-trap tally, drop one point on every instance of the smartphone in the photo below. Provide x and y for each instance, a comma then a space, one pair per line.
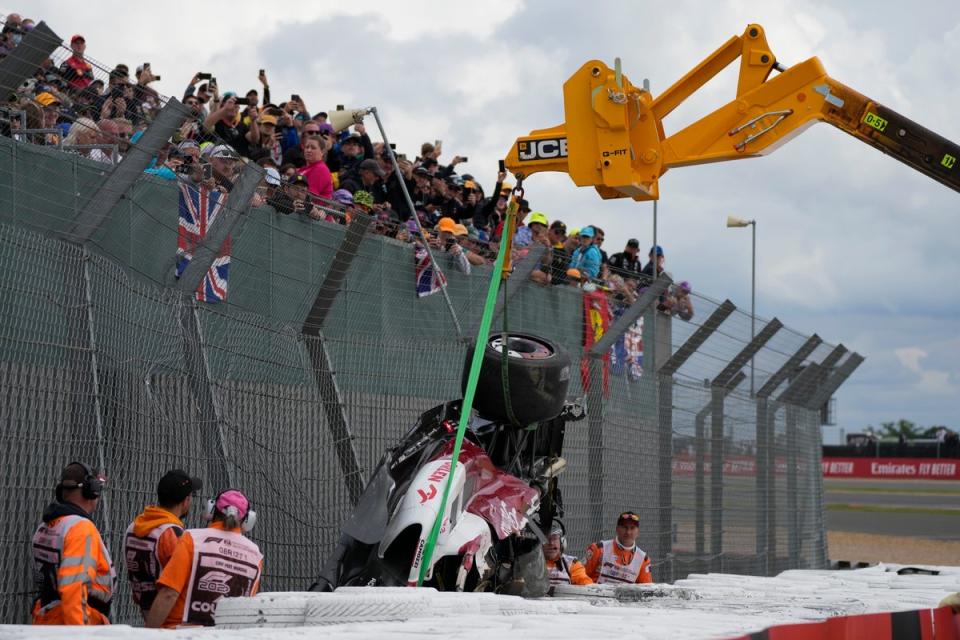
503, 167
203, 76
437, 143
213, 82
146, 65
158, 78
462, 158
295, 98
207, 171
393, 146
339, 107
262, 71
402, 156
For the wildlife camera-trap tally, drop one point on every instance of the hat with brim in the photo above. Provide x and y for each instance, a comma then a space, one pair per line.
176, 485
446, 224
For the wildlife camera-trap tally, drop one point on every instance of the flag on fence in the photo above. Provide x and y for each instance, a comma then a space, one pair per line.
199, 208
596, 321
626, 355
429, 279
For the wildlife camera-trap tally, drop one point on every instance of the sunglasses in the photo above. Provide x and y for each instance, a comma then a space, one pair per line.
311, 132
629, 517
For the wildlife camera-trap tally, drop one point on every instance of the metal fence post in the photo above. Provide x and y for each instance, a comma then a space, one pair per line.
766, 456
595, 455
212, 436
21, 63
95, 380
664, 385
716, 478
125, 174
700, 446
793, 548
322, 367
699, 490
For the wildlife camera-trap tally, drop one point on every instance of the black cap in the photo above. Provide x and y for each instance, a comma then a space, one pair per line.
371, 165
176, 485
354, 138
422, 171
298, 178
633, 242
629, 517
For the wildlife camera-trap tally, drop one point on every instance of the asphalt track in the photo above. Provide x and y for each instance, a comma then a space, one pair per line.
902, 495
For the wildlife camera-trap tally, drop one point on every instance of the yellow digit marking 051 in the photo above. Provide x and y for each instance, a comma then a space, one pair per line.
875, 121
948, 161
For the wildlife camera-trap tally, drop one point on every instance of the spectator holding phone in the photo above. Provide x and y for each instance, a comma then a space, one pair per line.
226, 123
446, 241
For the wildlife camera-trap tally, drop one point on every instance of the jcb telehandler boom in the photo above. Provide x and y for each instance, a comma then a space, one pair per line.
613, 137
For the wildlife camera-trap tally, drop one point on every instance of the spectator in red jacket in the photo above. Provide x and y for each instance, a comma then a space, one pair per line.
77, 72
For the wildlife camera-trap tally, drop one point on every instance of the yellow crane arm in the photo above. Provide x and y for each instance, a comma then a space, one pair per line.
613, 137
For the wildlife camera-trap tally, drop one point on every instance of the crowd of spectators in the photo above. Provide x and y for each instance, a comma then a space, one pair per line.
315, 166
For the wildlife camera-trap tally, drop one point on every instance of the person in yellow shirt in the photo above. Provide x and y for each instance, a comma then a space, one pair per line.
72, 567
562, 568
209, 564
620, 560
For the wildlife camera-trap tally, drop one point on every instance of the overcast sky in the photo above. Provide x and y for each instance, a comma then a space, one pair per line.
851, 244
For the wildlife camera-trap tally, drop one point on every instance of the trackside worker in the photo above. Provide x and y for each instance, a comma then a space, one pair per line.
620, 560
209, 564
150, 540
562, 568
72, 567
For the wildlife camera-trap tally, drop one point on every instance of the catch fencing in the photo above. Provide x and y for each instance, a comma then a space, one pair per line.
322, 356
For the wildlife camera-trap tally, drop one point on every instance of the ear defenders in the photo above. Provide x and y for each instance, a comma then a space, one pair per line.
91, 487
246, 523
559, 528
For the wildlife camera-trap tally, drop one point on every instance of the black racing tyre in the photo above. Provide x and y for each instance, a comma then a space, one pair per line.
539, 375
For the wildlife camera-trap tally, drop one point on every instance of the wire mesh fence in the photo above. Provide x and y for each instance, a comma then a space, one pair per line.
106, 357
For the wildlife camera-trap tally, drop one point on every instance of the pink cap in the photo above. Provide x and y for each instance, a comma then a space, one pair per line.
233, 498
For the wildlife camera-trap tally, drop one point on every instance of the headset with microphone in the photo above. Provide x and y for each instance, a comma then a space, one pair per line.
231, 512
91, 487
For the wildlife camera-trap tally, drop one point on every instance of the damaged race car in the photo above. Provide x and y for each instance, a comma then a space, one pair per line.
504, 493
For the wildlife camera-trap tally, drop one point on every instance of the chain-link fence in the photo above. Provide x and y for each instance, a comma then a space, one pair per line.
322, 355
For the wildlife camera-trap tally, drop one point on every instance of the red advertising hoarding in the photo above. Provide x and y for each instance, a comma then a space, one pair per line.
893, 468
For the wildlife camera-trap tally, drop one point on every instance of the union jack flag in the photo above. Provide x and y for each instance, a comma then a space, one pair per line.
429, 280
199, 208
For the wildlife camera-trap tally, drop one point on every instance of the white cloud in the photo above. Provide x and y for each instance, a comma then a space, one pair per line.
930, 381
